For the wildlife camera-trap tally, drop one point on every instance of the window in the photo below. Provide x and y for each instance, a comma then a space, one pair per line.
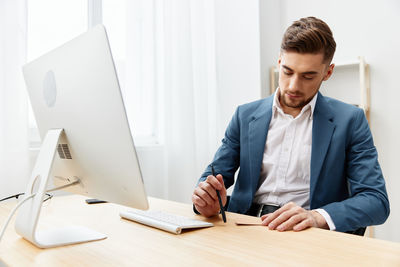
130, 27
50, 24
131, 35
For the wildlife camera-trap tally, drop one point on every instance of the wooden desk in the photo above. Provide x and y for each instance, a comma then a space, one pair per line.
132, 244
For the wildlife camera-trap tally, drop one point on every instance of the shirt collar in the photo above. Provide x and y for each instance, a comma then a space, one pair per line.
276, 106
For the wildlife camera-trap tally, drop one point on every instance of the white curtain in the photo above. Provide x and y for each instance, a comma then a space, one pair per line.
14, 153
172, 50
190, 97
170, 89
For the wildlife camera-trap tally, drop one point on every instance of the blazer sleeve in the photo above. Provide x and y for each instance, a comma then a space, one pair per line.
368, 203
227, 158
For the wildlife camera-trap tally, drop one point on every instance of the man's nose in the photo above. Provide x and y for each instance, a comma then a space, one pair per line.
294, 83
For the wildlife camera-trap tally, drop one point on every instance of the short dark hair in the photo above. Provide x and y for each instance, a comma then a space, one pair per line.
309, 35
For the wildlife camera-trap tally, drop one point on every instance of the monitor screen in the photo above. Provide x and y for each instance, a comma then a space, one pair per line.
75, 88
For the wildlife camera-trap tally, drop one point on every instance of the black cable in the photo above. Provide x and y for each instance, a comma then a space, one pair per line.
49, 196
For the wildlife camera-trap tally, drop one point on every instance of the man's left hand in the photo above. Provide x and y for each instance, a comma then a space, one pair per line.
293, 217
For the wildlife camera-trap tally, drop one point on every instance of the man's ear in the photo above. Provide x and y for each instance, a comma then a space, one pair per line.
329, 72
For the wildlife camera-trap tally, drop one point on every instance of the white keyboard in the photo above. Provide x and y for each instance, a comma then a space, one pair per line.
166, 221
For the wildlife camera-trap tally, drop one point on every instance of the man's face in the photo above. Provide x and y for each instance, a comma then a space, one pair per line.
300, 77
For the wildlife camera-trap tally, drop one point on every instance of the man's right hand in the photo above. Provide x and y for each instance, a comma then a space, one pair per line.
205, 197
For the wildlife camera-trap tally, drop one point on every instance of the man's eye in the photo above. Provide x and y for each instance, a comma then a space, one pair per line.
287, 73
308, 78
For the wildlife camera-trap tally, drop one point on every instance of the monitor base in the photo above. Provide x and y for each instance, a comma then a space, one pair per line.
29, 213
66, 236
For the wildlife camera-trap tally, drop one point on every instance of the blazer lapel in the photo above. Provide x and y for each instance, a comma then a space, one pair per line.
258, 130
322, 131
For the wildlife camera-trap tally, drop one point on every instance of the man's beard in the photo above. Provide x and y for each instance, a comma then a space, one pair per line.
300, 104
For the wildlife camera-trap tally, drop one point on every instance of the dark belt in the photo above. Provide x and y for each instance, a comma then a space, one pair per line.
260, 209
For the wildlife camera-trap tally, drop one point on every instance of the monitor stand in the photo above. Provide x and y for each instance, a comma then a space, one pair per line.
28, 216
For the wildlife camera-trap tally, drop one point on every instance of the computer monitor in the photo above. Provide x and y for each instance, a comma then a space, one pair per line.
86, 138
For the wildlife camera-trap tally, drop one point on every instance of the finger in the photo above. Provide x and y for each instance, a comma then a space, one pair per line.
265, 216
264, 220
284, 216
206, 186
302, 225
289, 206
291, 222
215, 182
272, 216
221, 180
197, 201
269, 218
203, 195
223, 190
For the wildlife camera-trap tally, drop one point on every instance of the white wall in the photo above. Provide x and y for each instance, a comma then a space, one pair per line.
270, 38
361, 28
238, 55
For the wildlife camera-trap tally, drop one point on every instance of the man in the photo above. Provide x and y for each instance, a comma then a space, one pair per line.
305, 160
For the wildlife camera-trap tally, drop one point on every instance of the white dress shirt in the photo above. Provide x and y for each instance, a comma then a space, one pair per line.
285, 170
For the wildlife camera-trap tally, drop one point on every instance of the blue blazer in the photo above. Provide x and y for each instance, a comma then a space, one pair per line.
345, 179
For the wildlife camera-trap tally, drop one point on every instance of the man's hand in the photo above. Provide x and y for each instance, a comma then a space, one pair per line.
205, 197
293, 217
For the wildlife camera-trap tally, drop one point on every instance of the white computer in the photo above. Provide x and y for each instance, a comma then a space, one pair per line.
87, 143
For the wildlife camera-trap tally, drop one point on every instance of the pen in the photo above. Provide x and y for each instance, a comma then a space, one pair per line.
219, 197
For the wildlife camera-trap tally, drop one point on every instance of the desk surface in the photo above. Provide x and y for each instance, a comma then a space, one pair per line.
133, 244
